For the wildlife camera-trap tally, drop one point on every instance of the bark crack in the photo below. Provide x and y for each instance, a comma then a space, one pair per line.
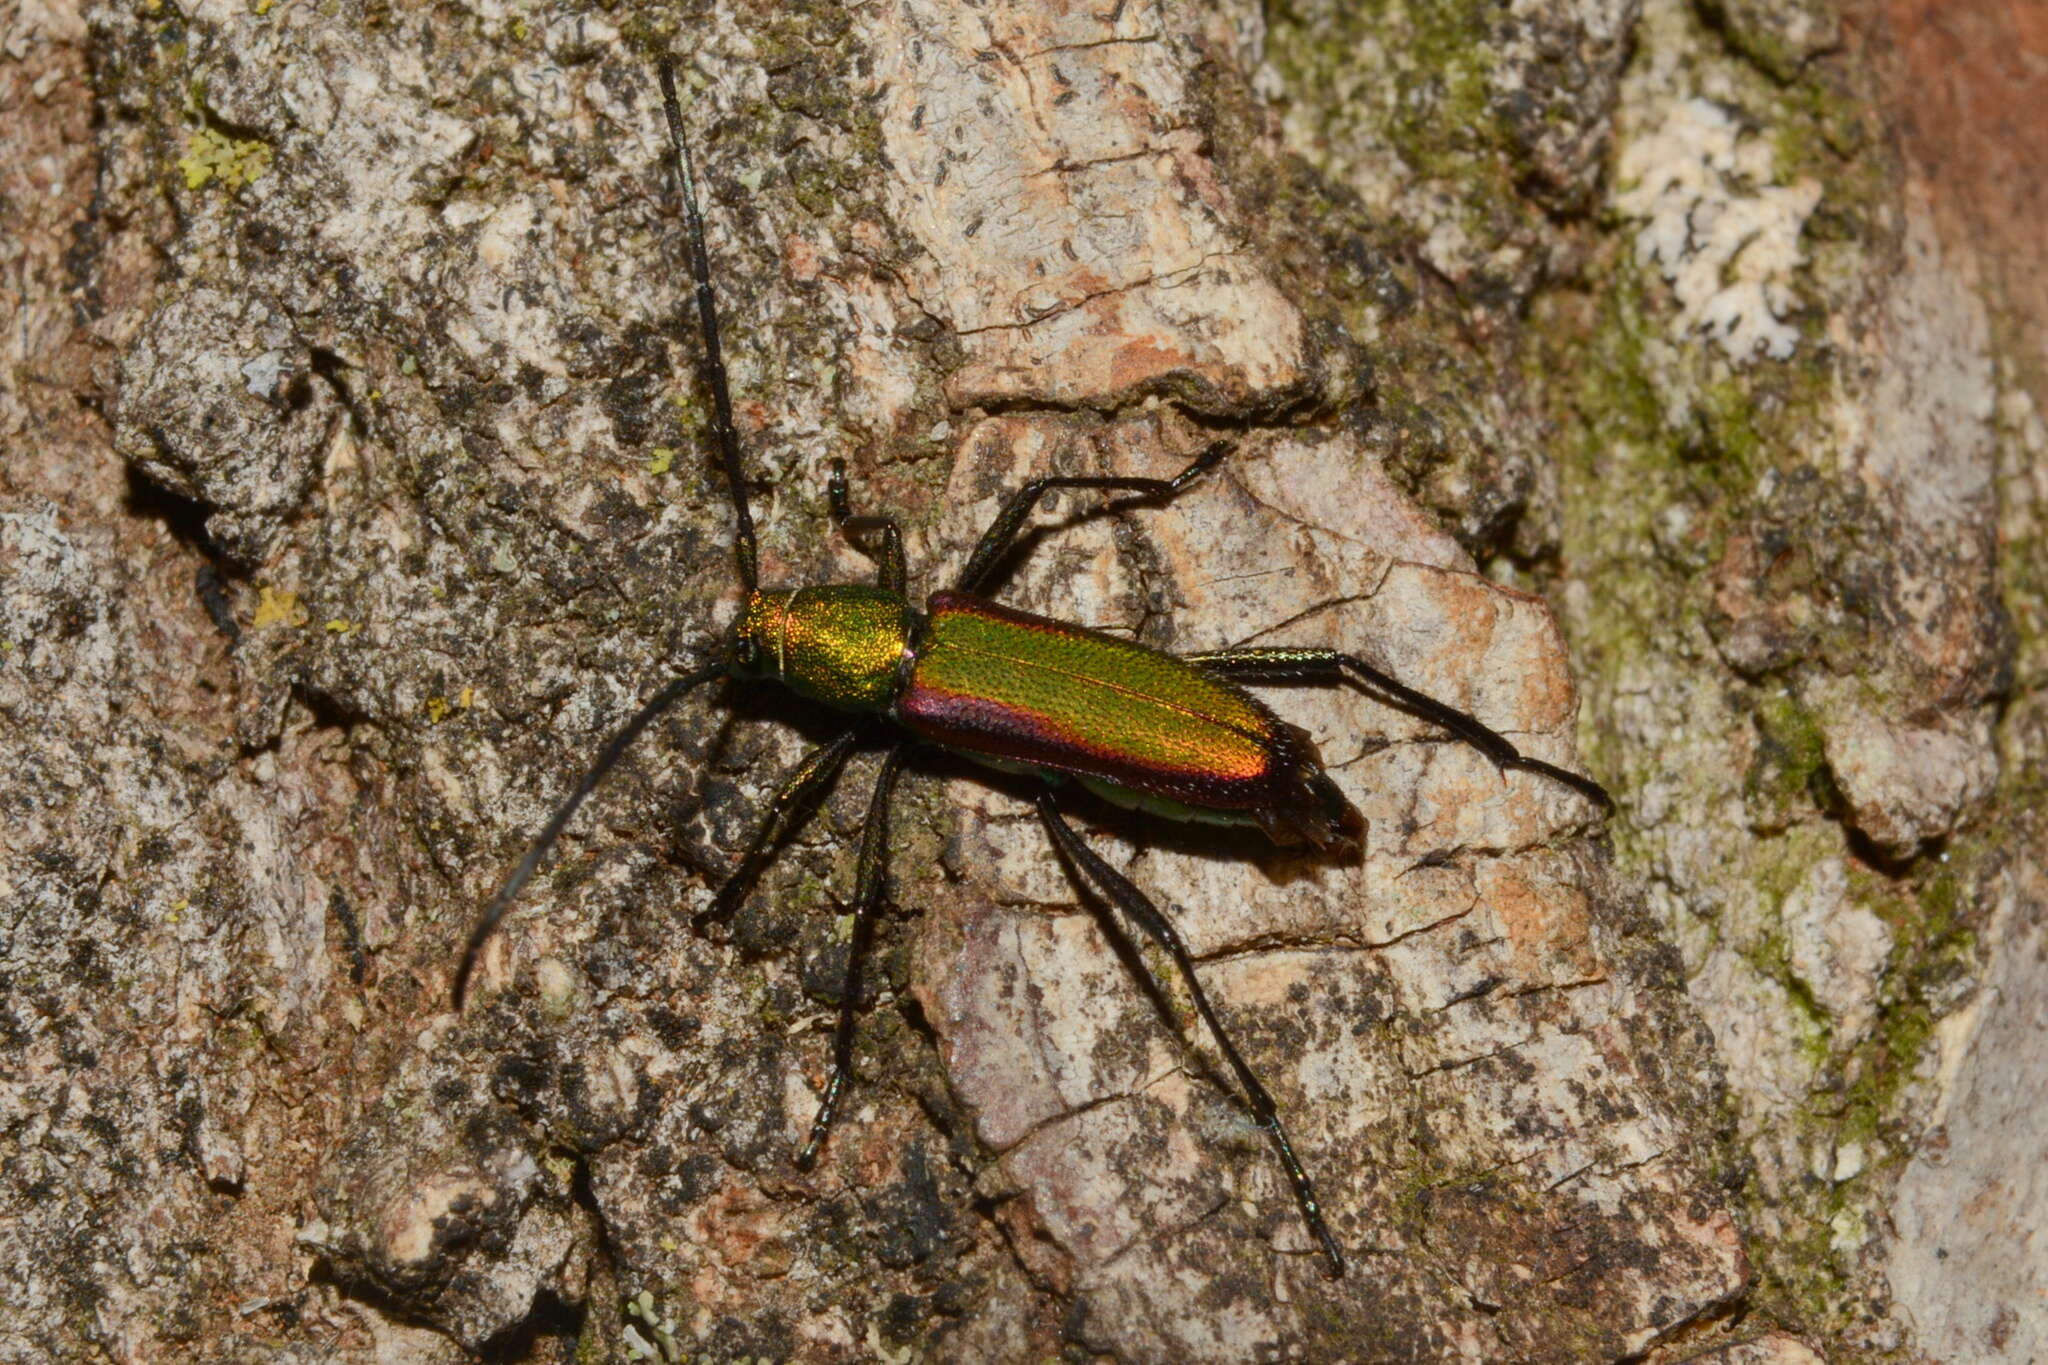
1460, 1063
1160, 279
1089, 46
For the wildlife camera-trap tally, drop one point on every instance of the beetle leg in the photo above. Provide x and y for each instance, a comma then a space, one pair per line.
1118, 889
786, 812
1002, 532
614, 749
1330, 668
871, 884
889, 563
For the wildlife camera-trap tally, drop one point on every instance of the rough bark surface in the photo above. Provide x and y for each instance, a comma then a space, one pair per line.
1657, 381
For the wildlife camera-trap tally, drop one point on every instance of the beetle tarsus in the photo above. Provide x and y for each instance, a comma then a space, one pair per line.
889, 570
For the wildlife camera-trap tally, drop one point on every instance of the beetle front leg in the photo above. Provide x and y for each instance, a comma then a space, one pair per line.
889, 572
1329, 668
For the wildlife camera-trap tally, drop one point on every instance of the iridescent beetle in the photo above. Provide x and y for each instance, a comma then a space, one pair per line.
1170, 734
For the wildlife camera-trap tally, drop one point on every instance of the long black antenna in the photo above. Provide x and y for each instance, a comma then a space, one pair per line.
707, 323
614, 749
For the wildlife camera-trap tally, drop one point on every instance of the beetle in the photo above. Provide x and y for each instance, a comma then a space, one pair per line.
1177, 736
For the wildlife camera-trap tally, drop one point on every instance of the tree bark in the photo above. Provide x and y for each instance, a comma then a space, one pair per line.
1657, 381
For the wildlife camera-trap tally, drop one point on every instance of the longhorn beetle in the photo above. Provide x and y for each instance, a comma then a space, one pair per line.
1174, 735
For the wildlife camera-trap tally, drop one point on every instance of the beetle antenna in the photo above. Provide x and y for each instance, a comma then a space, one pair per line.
607, 757
707, 324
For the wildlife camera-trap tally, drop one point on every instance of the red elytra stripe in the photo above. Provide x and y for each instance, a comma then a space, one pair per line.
976, 727
970, 722
996, 683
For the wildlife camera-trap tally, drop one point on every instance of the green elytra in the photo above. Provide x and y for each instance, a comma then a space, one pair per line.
1172, 735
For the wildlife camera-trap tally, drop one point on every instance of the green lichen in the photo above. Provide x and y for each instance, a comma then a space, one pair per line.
1650, 426
1753, 423
1772, 960
1807, 1273
212, 156
1413, 77
1790, 770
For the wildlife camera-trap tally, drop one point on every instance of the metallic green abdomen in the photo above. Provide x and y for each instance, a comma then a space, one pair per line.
842, 644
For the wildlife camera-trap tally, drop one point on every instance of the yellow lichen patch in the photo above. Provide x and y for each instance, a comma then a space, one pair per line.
211, 155
277, 607
467, 698
340, 625
661, 460
437, 709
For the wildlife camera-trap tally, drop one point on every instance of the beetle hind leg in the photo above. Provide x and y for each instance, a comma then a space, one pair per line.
1329, 668
1089, 869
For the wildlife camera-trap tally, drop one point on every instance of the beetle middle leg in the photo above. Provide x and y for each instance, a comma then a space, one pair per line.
1002, 532
1330, 668
791, 805
871, 887
1092, 869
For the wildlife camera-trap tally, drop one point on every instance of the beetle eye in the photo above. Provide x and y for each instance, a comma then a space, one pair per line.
746, 654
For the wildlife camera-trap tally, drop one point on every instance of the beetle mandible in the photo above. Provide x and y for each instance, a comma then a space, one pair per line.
1173, 735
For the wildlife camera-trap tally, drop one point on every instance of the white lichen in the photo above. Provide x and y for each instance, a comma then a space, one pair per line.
1718, 227
663, 1347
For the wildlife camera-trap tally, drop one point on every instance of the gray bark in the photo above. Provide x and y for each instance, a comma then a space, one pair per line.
1605, 368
